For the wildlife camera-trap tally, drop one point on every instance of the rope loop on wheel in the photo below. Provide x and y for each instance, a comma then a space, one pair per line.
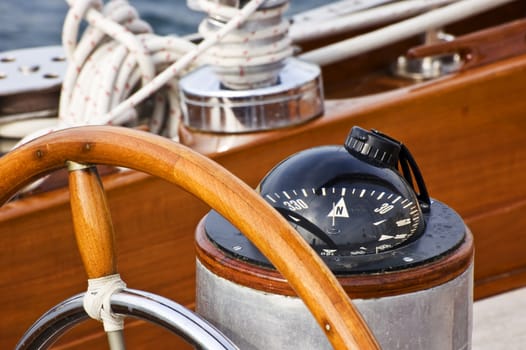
97, 303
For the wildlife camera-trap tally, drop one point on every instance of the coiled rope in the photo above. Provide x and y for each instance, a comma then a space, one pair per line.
251, 55
118, 50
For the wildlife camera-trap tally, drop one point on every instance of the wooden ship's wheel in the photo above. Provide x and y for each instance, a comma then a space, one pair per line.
79, 148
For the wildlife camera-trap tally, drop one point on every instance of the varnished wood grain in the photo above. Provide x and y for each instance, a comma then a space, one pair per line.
500, 249
237, 202
92, 222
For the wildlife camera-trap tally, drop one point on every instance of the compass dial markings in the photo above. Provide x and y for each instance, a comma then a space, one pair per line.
270, 198
403, 222
379, 222
351, 210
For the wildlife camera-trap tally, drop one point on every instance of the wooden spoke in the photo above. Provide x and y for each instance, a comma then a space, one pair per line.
232, 198
92, 221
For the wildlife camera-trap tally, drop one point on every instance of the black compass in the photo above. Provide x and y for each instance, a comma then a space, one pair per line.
362, 207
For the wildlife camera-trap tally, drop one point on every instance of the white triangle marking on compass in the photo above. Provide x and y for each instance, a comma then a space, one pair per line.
385, 237
339, 210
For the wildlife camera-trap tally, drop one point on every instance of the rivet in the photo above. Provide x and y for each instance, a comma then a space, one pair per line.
39, 153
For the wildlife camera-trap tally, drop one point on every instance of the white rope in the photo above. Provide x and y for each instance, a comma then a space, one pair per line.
249, 46
399, 31
125, 28
161, 51
176, 68
335, 9
115, 53
302, 31
97, 301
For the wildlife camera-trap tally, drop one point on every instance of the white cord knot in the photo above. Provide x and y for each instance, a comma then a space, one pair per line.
97, 301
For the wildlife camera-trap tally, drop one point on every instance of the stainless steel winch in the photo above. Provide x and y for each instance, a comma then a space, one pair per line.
251, 82
405, 260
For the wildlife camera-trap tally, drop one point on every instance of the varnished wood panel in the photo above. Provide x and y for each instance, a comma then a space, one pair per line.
499, 260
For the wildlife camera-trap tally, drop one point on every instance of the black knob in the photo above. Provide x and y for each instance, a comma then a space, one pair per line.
374, 146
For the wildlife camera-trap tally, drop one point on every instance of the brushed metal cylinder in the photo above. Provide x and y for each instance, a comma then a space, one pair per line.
208, 106
438, 318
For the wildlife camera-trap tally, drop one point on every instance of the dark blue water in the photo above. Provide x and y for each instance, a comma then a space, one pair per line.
26, 23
